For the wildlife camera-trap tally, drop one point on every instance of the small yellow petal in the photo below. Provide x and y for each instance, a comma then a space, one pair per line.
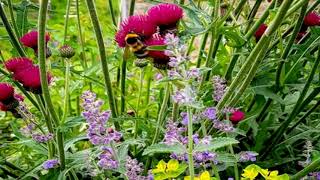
205, 175
173, 165
161, 167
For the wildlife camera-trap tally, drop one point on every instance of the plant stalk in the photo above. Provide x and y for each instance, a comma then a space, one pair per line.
66, 91
103, 58
66, 22
43, 76
310, 168
190, 143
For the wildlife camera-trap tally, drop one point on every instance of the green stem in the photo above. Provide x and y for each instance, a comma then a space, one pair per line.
149, 79
235, 167
132, 4
113, 17
238, 9
103, 58
175, 111
66, 91
190, 143
123, 81
14, 41
13, 21
255, 52
66, 21
190, 45
43, 76
202, 48
253, 13
310, 168
83, 55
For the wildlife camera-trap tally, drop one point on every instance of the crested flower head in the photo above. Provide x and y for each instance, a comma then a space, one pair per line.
166, 16
6, 92
237, 116
138, 24
312, 19
30, 79
9, 106
260, 31
30, 39
15, 65
160, 59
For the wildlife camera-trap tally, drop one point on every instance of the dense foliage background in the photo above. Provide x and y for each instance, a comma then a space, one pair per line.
278, 91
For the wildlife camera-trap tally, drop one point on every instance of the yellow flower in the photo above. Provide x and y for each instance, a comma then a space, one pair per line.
172, 165
250, 172
161, 167
203, 176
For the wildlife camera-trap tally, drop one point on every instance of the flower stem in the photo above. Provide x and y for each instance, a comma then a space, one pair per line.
83, 55
235, 167
310, 168
13, 39
190, 143
202, 47
215, 171
123, 81
103, 58
66, 91
113, 17
175, 111
132, 4
238, 9
66, 22
43, 77
149, 79
13, 21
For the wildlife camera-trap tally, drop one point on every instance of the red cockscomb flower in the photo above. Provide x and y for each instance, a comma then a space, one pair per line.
30, 79
6, 93
312, 19
138, 24
237, 116
260, 31
166, 16
30, 39
15, 65
160, 60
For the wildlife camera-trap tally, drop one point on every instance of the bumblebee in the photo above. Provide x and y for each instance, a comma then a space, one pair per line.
136, 45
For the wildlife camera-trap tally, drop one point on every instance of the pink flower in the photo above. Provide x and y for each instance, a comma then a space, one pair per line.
138, 24
30, 79
30, 39
312, 19
8, 107
237, 116
166, 16
160, 60
6, 92
15, 65
260, 31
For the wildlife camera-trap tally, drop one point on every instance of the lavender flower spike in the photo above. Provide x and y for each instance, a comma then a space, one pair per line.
219, 88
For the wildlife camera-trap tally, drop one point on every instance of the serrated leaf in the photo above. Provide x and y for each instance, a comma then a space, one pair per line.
163, 148
268, 93
216, 143
226, 157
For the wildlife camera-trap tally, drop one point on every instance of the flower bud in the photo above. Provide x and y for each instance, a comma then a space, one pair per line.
66, 51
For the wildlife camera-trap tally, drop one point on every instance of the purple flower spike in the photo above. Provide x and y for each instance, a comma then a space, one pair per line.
49, 164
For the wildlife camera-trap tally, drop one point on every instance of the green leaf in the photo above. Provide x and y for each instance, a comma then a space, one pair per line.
216, 143
70, 142
157, 48
268, 93
226, 157
163, 148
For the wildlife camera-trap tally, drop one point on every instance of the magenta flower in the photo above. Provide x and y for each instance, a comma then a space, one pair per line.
16, 65
166, 16
260, 31
6, 93
312, 19
160, 59
30, 39
138, 24
237, 116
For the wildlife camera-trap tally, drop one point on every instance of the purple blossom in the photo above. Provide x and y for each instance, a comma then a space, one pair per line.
173, 74
185, 119
246, 156
219, 88
173, 62
201, 158
193, 73
158, 76
210, 113
97, 120
184, 96
173, 133
133, 169
52, 163
40, 138
171, 40
107, 160
206, 140
222, 126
